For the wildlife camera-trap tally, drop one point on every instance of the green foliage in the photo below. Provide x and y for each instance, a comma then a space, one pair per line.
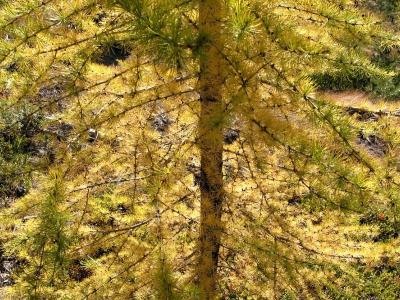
378, 280
357, 78
43, 246
164, 281
389, 7
381, 284
347, 76
388, 227
160, 25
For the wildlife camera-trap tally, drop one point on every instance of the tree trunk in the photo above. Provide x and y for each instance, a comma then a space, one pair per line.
210, 143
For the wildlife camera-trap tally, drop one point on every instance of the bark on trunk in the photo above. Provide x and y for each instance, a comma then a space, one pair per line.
211, 144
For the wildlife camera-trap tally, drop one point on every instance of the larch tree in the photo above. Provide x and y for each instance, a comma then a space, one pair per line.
179, 149
211, 140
